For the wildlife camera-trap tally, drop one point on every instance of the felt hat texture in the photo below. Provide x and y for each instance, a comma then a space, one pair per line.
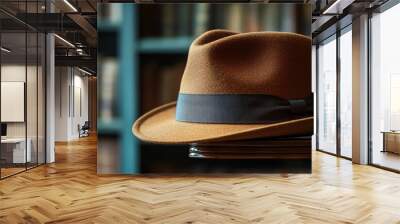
225, 63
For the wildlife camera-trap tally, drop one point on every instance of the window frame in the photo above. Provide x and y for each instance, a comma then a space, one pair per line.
335, 36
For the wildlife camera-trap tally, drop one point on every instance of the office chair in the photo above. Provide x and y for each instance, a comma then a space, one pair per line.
84, 130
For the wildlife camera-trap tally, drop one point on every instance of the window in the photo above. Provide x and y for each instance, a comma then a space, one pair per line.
385, 89
345, 92
326, 92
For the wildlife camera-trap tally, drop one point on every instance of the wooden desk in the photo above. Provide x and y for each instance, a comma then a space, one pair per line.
391, 141
13, 150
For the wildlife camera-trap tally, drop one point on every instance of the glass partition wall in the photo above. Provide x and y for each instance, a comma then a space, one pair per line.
22, 77
13, 86
334, 94
385, 89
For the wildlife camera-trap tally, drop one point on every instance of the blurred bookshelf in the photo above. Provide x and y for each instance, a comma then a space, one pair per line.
110, 127
106, 26
165, 45
141, 58
117, 148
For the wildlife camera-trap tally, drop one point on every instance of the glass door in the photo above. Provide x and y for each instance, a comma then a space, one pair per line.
326, 95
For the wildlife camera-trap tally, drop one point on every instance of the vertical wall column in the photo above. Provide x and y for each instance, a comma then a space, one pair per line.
50, 92
360, 90
63, 83
50, 98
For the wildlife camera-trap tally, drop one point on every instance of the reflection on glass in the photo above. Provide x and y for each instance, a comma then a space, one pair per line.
41, 99
345, 94
385, 89
22, 90
15, 151
31, 100
327, 96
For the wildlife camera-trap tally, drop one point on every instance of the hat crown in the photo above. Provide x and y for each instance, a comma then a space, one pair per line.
270, 63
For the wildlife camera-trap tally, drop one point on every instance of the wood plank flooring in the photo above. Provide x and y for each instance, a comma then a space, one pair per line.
10, 171
69, 191
387, 159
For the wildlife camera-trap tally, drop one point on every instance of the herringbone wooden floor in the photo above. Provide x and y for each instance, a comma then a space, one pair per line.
69, 191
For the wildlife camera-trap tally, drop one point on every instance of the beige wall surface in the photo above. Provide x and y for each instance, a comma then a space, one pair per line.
71, 102
34, 125
13, 73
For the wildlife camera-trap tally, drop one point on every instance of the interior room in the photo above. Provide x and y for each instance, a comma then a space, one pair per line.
385, 89
68, 153
23, 96
334, 56
72, 103
29, 58
75, 73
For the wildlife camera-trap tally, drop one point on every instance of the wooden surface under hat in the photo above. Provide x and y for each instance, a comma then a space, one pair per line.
271, 63
160, 126
290, 147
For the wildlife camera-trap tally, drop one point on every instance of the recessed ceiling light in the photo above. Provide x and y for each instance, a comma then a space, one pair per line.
70, 5
84, 71
65, 41
5, 50
337, 7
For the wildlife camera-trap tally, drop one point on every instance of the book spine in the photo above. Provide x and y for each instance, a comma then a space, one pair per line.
183, 20
235, 17
108, 88
251, 19
201, 18
220, 16
270, 17
115, 12
168, 26
110, 12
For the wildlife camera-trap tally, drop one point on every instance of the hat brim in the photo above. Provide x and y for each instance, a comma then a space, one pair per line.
159, 126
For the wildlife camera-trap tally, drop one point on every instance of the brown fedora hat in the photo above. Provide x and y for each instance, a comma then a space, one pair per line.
237, 86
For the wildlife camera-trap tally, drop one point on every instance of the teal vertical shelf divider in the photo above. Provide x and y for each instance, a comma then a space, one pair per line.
130, 47
127, 90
